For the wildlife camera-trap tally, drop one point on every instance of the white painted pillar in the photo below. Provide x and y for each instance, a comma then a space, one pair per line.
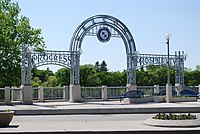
65, 93
7, 95
168, 93
75, 93
41, 93
27, 94
104, 93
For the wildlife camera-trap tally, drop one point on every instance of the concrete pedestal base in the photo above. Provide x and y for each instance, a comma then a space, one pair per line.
75, 93
168, 93
7, 95
27, 94
137, 100
184, 99
131, 87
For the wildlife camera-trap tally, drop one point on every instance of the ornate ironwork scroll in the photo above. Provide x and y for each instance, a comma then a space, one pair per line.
176, 61
62, 58
104, 27
32, 59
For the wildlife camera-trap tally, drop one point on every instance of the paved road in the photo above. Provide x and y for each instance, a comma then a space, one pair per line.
72, 121
65, 118
87, 123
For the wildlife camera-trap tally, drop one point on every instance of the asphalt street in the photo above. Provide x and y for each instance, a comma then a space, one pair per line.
65, 118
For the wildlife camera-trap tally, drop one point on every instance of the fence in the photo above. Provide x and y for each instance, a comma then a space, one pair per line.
8, 95
104, 92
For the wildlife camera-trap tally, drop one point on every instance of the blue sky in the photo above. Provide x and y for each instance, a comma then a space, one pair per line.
148, 21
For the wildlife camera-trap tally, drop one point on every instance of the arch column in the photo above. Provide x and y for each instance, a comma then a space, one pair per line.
131, 71
26, 74
75, 90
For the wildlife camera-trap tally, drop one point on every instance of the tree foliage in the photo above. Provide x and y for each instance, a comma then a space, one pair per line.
15, 30
151, 75
103, 67
43, 75
85, 72
193, 77
63, 76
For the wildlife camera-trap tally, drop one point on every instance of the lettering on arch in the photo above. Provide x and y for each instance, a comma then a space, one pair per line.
62, 58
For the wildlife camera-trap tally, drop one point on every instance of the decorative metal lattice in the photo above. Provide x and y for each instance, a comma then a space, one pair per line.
112, 27
176, 61
62, 58
104, 27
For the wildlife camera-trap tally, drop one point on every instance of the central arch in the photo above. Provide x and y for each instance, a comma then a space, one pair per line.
104, 27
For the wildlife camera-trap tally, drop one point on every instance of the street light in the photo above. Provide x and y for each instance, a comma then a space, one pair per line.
168, 37
168, 92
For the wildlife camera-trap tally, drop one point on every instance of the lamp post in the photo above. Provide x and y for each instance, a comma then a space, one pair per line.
168, 92
168, 37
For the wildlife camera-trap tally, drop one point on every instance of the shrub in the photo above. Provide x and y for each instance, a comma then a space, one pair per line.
171, 116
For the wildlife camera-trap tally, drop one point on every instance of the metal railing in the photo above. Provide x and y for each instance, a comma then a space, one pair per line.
147, 90
91, 93
115, 92
87, 93
53, 93
97, 92
35, 92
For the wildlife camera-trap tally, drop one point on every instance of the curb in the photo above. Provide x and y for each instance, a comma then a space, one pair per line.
172, 123
109, 111
112, 132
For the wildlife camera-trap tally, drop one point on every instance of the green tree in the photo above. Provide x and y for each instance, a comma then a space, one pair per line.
63, 76
103, 67
118, 78
15, 30
142, 77
85, 72
36, 82
154, 75
42, 74
193, 78
197, 67
97, 67
94, 80
52, 81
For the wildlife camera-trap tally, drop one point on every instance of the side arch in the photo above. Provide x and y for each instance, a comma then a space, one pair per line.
32, 59
97, 22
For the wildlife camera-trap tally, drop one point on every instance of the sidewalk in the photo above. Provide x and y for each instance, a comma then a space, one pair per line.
99, 126
101, 107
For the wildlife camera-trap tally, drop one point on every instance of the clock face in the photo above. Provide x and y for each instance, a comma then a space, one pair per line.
104, 34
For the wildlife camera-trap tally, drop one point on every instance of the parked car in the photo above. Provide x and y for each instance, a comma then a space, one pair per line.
163, 93
189, 93
132, 94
